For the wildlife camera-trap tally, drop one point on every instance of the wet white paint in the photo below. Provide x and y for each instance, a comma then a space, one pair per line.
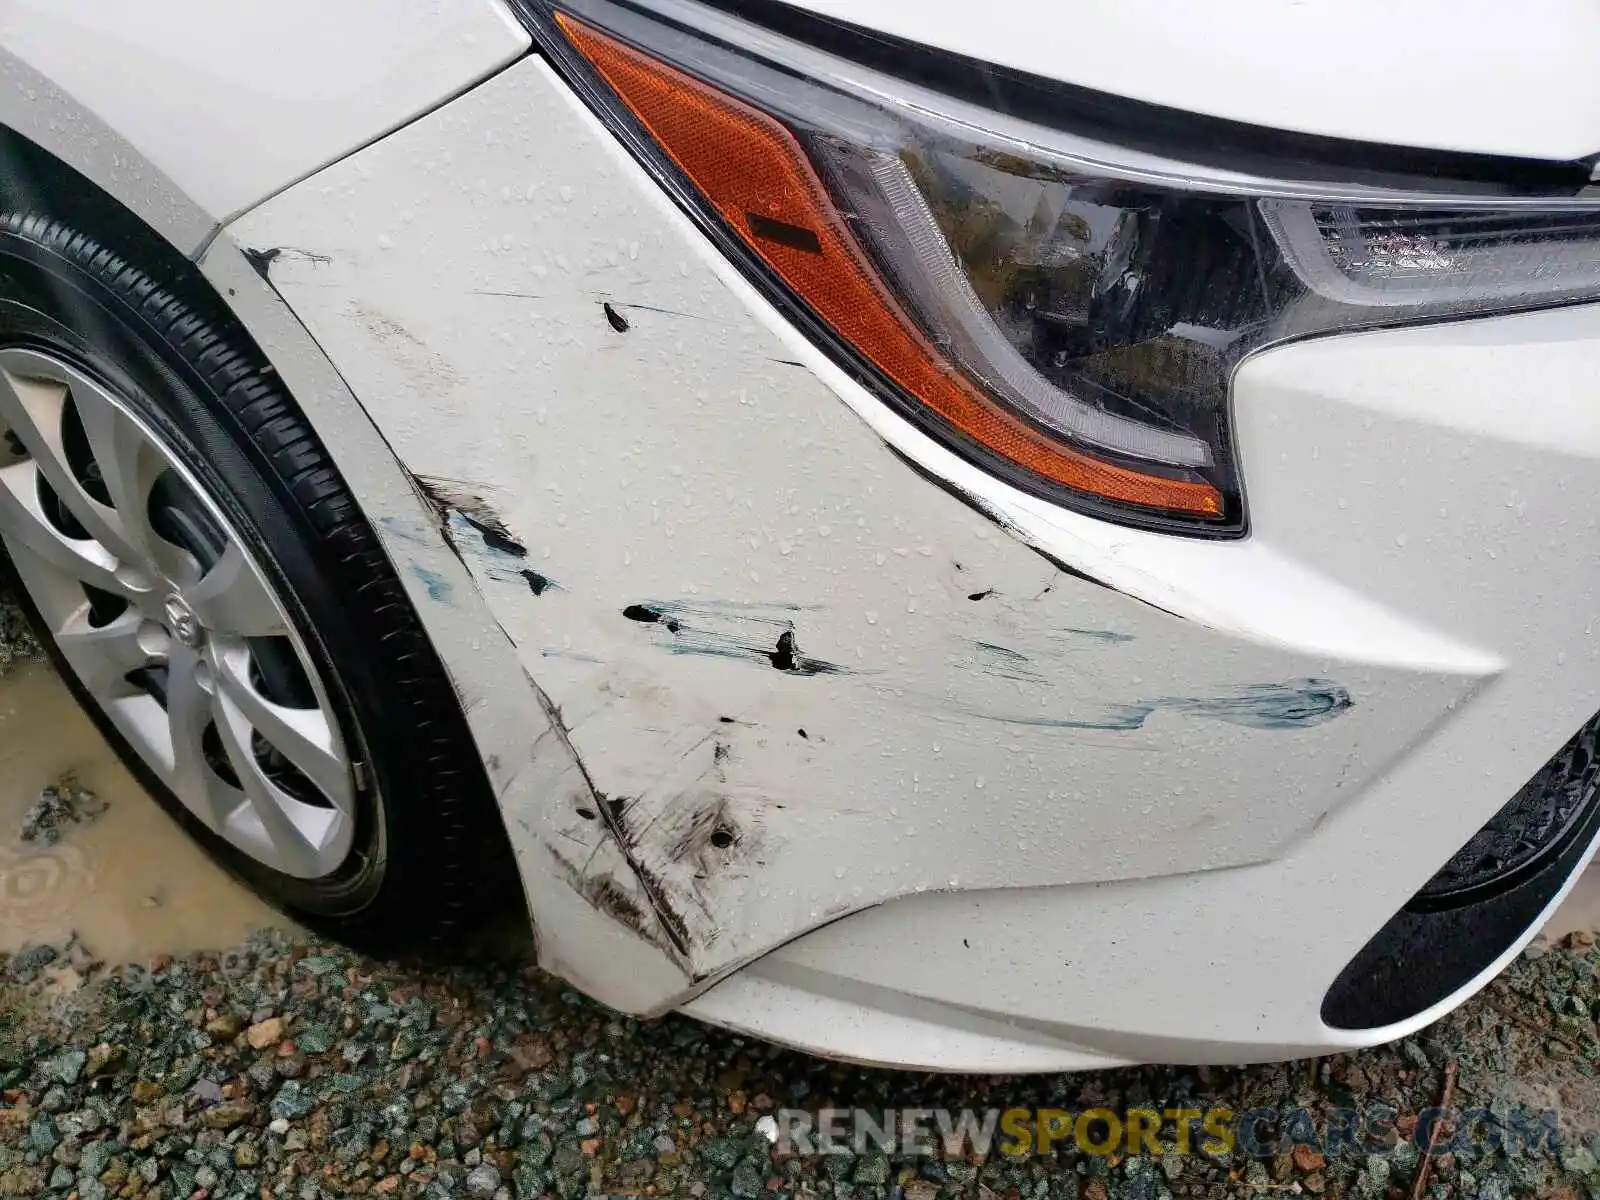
1282, 69
305, 82
962, 714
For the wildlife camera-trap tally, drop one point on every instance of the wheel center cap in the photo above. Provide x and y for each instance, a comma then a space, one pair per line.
182, 622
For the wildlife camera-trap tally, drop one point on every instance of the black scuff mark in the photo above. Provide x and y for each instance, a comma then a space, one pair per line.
472, 528
666, 312
646, 615
733, 629
788, 362
1270, 707
803, 734
1068, 569
495, 534
1002, 662
495, 553
614, 318
673, 925
445, 496
983, 595
988, 510
692, 845
608, 896
670, 922
983, 507
262, 260
787, 658
1004, 652
708, 827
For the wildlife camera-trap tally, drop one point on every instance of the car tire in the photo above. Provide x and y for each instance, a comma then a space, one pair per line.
146, 350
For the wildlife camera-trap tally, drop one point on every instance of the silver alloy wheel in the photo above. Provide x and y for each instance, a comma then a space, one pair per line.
167, 621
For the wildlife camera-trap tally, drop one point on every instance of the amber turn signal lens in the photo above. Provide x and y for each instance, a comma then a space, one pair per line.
754, 172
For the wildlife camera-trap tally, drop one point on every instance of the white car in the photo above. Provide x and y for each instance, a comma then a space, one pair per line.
1001, 539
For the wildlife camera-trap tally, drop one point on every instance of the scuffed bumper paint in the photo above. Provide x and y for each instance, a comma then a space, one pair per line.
1057, 769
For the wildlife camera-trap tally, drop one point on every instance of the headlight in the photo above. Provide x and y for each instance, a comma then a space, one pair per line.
1062, 311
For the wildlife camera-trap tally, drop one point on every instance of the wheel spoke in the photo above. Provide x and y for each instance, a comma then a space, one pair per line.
23, 519
95, 506
298, 852
102, 658
188, 714
302, 735
232, 598
129, 467
32, 409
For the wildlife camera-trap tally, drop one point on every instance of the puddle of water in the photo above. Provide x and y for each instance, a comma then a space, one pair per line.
130, 883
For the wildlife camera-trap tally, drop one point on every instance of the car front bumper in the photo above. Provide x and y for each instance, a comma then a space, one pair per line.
882, 757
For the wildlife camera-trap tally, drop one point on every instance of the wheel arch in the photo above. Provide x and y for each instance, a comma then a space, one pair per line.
506, 712
55, 152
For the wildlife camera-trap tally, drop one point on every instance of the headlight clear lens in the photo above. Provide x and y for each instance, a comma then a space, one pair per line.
1458, 261
1065, 313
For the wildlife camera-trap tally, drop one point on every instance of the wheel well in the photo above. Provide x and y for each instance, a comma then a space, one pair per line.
33, 178
71, 220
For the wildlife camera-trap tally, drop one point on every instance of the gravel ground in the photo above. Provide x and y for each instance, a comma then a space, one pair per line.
287, 1067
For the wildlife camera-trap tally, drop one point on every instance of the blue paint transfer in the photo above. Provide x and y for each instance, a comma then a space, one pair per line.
732, 629
572, 655
438, 587
499, 556
467, 536
1110, 636
1296, 704
410, 529
1114, 718
1004, 663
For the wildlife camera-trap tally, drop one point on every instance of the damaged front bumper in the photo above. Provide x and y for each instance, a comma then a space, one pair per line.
856, 747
